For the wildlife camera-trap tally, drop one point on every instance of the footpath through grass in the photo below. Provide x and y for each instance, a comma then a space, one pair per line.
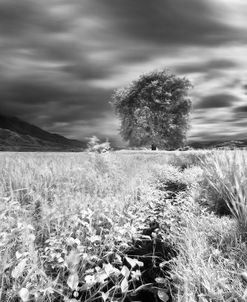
120, 227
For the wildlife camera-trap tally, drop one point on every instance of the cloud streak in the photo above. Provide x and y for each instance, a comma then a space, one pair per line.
60, 61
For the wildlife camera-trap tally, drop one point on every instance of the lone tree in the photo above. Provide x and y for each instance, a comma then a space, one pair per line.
154, 110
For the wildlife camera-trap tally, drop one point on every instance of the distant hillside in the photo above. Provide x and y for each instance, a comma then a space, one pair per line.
17, 135
231, 144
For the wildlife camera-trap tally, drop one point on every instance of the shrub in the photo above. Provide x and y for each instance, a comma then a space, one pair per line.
94, 145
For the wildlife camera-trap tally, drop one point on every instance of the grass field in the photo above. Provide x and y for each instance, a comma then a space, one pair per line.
123, 226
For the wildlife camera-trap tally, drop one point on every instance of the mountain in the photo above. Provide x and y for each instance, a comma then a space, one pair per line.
224, 144
18, 135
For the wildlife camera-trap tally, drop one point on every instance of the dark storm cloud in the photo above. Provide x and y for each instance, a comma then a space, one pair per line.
60, 60
162, 22
83, 107
240, 113
33, 92
86, 71
58, 104
241, 109
20, 17
245, 88
217, 101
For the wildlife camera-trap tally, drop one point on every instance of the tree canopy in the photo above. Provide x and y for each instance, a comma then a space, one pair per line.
154, 110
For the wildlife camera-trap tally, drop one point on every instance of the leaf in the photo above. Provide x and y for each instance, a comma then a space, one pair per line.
101, 276
31, 237
24, 294
162, 264
73, 259
118, 259
18, 270
18, 255
125, 271
160, 280
94, 238
244, 276
134, 262
30, 227
77, 241
136, 274
143, 286
70, 241
66, 299
60, 260
90, 281
105, 296
73, 281
109, 269
163, 295
146, 237
124, 285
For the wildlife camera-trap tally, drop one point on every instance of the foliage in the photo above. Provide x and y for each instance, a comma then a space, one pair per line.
154, 110
94, 145
67, 225
97, 227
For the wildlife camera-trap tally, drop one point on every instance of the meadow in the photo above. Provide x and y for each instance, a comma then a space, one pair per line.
123, 226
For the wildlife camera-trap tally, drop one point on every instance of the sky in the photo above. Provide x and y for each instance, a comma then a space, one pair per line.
60, 61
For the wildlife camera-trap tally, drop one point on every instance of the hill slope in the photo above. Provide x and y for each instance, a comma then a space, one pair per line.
224, 144
18, 135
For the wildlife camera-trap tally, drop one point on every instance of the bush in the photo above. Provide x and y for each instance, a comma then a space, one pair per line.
94, 145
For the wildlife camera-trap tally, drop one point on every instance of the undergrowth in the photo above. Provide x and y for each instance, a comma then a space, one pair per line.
123, 227
68, 222
212, 262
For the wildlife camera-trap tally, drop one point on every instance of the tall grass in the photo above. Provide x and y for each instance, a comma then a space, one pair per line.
209, 265
226, 182
212, 257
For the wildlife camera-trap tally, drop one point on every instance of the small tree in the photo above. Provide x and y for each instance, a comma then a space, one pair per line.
154, 110
93, 141
94, 145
